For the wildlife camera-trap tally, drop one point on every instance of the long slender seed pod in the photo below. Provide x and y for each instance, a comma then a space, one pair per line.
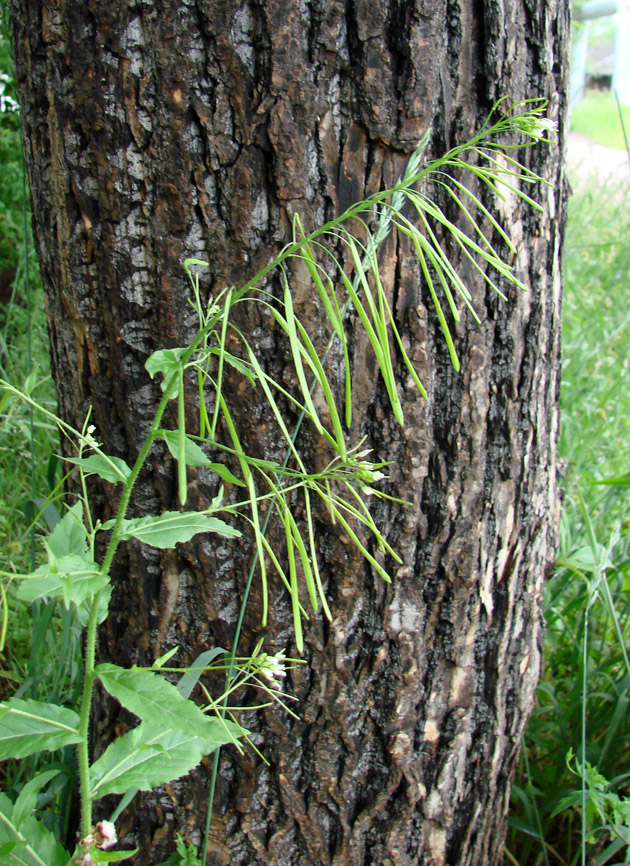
182, 481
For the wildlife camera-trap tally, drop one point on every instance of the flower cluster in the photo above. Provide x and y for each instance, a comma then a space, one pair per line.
103, 836
536, 127
88, 437
366, 472
272, 668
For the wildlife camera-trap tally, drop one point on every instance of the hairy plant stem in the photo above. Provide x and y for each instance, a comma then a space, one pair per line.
89, 658
83, 747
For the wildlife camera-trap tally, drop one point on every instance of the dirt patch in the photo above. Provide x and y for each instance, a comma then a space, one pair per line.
586, 159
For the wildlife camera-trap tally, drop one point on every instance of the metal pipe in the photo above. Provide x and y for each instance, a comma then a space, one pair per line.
596, 9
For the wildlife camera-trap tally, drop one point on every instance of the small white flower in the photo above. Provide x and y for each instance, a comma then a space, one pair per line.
89, 439
273, 668
536, 127
542, 126
105, 835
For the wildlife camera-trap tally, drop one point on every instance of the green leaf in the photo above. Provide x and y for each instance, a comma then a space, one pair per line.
33, 509
186, 854
83, 610
165, 657
154, 699
194, 454
621, 481
189, 679
150, 755
196, 457
99, 856
185, 686
172, 527
74, 579
68, 536
224, 473
27, 801
167, 362
239, 365
112, 469
28, 726
5, 397
30, 844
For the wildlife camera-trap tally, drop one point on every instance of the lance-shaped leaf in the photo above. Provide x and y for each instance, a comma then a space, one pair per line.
154, 699
84, 610
100, 856
27, 800
112, 469
196, 457
68, 536
27, 841
71, 578
28, 726
189, 679
185, 686
224, 473
150, 755
193, 454
172, 527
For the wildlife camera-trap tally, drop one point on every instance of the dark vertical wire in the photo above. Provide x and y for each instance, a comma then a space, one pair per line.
36, 611
27, 286
623, 125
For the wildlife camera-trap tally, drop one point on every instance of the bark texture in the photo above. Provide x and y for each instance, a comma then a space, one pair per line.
161, 129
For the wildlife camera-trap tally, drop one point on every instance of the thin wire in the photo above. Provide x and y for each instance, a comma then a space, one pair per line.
623, 125
35, 637
583, 732
27, 285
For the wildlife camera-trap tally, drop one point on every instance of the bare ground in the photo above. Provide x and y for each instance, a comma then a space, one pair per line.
585, 158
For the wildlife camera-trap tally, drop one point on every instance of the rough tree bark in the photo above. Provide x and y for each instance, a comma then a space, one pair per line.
161, 129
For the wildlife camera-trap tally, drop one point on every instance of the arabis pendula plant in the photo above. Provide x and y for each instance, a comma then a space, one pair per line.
170, 723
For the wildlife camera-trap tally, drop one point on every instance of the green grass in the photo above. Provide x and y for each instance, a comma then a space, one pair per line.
590, 590
597, 117
25, 444
39, 645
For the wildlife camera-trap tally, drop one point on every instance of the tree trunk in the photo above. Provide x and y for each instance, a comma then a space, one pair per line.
156, 131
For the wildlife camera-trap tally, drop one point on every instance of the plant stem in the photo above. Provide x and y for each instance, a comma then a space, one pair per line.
83, 748
89, 659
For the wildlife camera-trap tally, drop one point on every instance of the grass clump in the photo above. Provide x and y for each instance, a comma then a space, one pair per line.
570, 802
39, 644
597, 117
25, 444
